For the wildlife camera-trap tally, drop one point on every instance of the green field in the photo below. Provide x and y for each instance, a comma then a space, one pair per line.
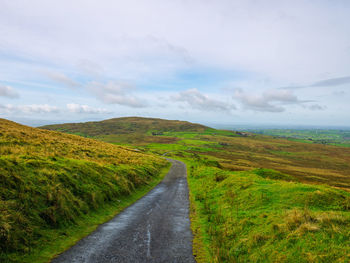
323, 136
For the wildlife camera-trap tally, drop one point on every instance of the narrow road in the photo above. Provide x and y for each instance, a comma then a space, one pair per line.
156, 228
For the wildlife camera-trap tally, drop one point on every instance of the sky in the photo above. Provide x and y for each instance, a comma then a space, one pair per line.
208, 61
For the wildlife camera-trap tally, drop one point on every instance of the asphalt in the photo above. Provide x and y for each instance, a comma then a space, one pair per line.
156, 228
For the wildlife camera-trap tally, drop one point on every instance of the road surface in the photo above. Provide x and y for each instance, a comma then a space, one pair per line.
156, 228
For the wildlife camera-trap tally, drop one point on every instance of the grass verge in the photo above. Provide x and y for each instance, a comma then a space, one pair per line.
254, 216
61, 239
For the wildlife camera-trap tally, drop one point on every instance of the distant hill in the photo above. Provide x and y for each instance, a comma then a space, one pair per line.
129, 130
126, 125
50, 179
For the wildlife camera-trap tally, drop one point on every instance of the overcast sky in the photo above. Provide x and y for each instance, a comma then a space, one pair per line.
209, 61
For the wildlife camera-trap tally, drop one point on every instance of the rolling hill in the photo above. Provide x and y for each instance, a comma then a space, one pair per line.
126, 125
235, 151
51, 181
128, 130
256, 198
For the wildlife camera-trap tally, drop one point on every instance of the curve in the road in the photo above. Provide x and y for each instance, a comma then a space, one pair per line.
156, 228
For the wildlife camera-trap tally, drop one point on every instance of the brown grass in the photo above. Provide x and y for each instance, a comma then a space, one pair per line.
309, 163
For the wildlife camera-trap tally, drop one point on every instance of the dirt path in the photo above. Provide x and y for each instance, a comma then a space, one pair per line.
154, 229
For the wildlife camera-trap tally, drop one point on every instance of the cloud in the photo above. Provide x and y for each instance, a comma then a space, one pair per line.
9, 92
280, 39
269, 101
195, 99
110, 92
89, 67
47, 109
331, 82
280, 95
78, 108
171, 48
293, 87
29, 109
316, 107
323, 83
264, 44
339, 93
116, 93
63, 79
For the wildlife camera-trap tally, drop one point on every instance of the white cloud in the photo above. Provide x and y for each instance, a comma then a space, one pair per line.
269, 101
29, 109
280, 95
157, 44
116, 93
288, 41
316, 107
332, 82
78, 108
48, 109
63, 79
339, 93
196, 100
9, 92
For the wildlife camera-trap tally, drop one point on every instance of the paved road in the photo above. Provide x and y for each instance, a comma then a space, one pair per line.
154, 229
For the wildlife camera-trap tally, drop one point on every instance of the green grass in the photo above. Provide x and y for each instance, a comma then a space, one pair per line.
323, 136
256, 198
51, 181
245, 217
127, 125
55, 241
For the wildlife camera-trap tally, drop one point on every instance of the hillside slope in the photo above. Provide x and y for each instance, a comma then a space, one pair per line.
50, 179
257, 198
129, 130
126, 125
236, 151
262, 216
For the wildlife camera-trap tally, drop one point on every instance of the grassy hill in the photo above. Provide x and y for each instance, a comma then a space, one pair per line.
133, 129
52, 182
256, 198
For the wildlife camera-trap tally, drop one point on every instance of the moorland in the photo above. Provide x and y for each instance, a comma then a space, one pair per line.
254, 198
